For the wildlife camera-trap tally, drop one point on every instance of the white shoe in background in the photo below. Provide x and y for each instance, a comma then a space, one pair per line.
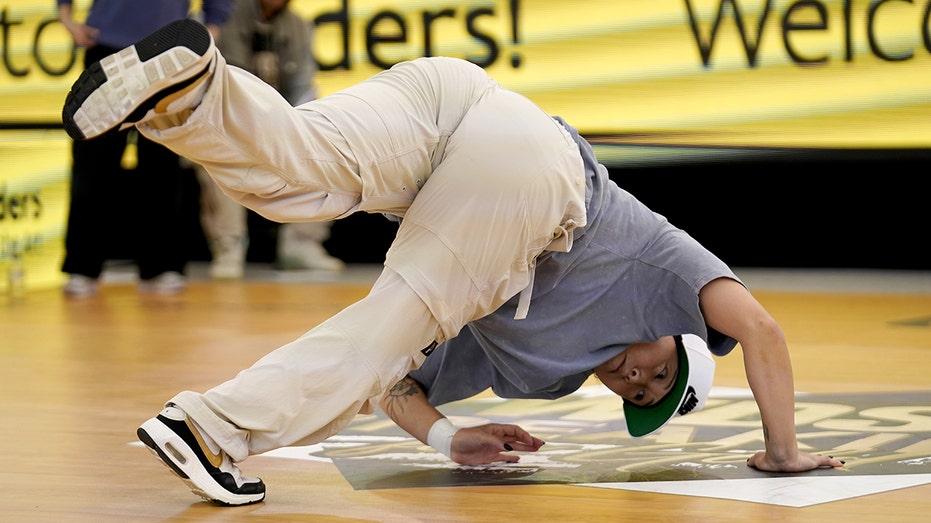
229, 258
169, 282
306, 255
80, 286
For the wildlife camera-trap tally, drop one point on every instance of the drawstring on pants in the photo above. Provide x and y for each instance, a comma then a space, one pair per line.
523, 303
562, 242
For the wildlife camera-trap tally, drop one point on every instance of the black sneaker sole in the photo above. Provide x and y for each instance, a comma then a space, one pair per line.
123, 87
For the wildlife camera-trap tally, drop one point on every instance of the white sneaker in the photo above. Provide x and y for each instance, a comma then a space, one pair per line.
229, 258
200, 463
80, 286
307, 255
141, 82
169, 282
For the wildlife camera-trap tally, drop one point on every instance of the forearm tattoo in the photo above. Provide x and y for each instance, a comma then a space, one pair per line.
398, 396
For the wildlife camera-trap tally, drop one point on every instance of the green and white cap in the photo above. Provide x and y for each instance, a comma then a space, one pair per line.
688, 394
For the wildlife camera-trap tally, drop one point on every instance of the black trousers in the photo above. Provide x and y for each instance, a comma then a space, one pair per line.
125, 213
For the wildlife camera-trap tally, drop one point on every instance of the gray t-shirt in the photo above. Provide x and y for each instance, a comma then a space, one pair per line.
630, 277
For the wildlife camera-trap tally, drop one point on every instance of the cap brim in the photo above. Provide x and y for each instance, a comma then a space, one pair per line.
688, 394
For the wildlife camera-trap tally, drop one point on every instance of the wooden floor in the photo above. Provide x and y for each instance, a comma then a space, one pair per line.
80, 375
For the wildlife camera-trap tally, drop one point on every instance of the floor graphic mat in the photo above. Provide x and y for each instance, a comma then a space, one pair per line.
885, 439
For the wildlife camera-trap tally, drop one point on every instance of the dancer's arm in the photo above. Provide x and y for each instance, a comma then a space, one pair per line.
729, 308
408, 406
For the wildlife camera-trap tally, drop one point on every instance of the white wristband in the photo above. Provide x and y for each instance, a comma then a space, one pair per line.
441, 435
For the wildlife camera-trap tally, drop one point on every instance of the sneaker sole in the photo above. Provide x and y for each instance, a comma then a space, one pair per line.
122, 87
175, 454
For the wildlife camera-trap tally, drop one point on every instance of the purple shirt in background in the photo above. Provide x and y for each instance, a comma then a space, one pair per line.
123, 22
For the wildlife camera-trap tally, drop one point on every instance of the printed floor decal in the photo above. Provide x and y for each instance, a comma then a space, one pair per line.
885, 439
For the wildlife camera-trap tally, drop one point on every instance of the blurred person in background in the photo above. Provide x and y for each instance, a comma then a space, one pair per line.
157, 224
272, 42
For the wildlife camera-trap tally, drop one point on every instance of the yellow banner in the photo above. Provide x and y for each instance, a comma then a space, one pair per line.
34, 184
762, 73
769, 73
647, 80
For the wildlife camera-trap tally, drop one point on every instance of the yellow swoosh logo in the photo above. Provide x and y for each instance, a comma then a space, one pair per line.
214, 458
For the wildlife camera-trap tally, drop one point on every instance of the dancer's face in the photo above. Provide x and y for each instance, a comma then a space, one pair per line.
643, 373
